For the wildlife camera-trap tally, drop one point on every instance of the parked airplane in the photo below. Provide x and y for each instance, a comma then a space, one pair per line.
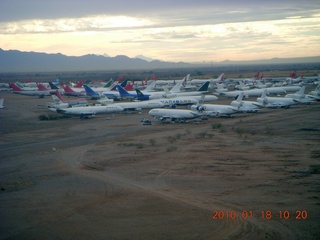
255, 92
68, 91
174, 114
210, 80
215, 109
246, 106
297, 95
202, 90
137, 106
96, 95
85, 112
181, 101
220, 88
71, 102
259, 84
276, 102
303, 98
1, 103
241, 86
38, 93
315, 93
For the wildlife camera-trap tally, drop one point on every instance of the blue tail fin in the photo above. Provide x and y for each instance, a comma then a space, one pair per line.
90, 92
141, 96
124, 93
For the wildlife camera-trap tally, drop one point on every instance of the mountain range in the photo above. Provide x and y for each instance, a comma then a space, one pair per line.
18, 61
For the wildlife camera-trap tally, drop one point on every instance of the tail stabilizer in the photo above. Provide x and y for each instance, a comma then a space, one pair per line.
79, 84
221, 77
1, 103
256, 75
15, 87
176, 88
301, 91
129, 86
90, 91
293, 75
240, 97
150, 86
59, 96
123, 92
109, 83
184, 81
204, 87
41, 87
264, 94
56, 100
53, 86
67, 89
141, 96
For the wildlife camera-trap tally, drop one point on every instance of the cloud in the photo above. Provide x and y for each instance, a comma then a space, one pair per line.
169, 30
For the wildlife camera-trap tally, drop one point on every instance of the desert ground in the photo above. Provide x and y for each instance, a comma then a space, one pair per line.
251, 176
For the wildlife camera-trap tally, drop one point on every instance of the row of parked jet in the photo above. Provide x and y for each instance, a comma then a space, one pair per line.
166, 98
198, 105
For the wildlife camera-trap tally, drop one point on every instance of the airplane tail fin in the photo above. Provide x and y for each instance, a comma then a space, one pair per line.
240, 97
221, 77
264, 94
256, 75
140, 95
129, 86
122, 91
15, 87
302, 89
176, 88
41, 87
79, 84
56, 99
184, 81
150, 86
293, 75
59, 96
53, 86
67, 89
204, 87
90, 91
154, 77
108, 84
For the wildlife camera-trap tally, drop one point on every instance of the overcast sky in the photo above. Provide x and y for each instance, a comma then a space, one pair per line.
189, 31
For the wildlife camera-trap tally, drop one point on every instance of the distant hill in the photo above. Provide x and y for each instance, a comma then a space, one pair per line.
269, 61
17, 61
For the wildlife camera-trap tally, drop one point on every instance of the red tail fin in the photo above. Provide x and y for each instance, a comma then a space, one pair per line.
120, 78
15, 87
129, 87
59, 96
256, 75
41, 87
79, 84
67, 89
154, 77
292, 75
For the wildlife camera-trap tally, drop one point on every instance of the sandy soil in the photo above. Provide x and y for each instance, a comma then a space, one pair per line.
119, 179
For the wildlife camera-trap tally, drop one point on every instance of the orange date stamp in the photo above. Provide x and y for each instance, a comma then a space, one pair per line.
263, 214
